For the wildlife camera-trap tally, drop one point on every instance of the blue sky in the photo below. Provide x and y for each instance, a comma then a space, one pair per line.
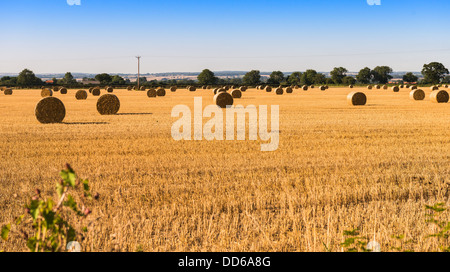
188, 36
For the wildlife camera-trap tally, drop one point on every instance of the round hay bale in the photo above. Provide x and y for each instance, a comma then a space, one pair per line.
279, 91
109, 89
129, 88
173, 89
402, 86
439, 96
50, 110
243, 89
46, 93
289, 90
55, 89
96, 91
192, 89
226, 87
434, 88
143, 88
151, 93
417, 94
377, 87
446, 86
161, 92
369, 87
63, 91
236, 93
357, 99
351, 86
3, 88
90, 89
8, 91
396, 89
407, 86
81, 95
413, 88
304, 88
322, 88
312, 86
221, 90
385, 87
326, 87
223, 99
268, 89
108, 104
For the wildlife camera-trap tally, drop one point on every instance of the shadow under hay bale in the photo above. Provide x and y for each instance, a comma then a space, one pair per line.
81, 95
356, 99
417, 95
439, 96
223, 99
108, 104
50, 110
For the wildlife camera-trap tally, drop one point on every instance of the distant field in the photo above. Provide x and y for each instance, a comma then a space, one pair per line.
337, 168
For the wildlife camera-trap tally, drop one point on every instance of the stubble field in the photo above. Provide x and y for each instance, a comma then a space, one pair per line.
337, 168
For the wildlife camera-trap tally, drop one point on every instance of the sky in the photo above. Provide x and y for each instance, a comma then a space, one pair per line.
51, 36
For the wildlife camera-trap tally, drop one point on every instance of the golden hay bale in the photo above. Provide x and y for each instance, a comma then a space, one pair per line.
173, 89
322, 88
96, 91
50, 110
407, 86
223, 99
8, 91
81, 95
226, 87
268, 89
413, 88
129, 88
143, 88
279, 91
243, 89
192, 89
289, 90
109, 89
161, 92
396, 89
434, 88
377, 87
151, 93
90, 89
304, 88
439, 96
446, 86
55, 89
63, 91
326, 87
108, 104
312, 86
369, 87
236, 93
402, 86
3, 88
356, 99
385, 87
351, 86
417, 94
46, 93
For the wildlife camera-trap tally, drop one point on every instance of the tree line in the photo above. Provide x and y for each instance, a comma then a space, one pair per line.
433, 73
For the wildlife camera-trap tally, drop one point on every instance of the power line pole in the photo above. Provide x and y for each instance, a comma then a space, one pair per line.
139, 71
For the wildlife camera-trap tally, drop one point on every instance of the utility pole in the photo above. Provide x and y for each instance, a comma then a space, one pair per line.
139, 71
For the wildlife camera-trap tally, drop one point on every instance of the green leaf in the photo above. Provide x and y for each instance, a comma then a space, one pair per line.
5, 231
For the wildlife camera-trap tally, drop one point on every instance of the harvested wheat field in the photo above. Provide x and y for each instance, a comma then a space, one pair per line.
337, 168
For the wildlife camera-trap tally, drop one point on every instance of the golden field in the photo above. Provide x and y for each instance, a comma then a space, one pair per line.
337, 168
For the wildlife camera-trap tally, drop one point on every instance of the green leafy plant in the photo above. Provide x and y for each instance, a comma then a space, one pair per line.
434, 217
354, 242
45, 225
403, 245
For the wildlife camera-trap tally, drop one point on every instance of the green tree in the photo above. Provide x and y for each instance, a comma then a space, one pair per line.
104, 78
252, 78
118, 80
308, 77
206, 77
365, 75
277, 77
338, 74
295, 78
434, 72
27, 78
381, 74
348, 80
410, 77
320, 79
69, 79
